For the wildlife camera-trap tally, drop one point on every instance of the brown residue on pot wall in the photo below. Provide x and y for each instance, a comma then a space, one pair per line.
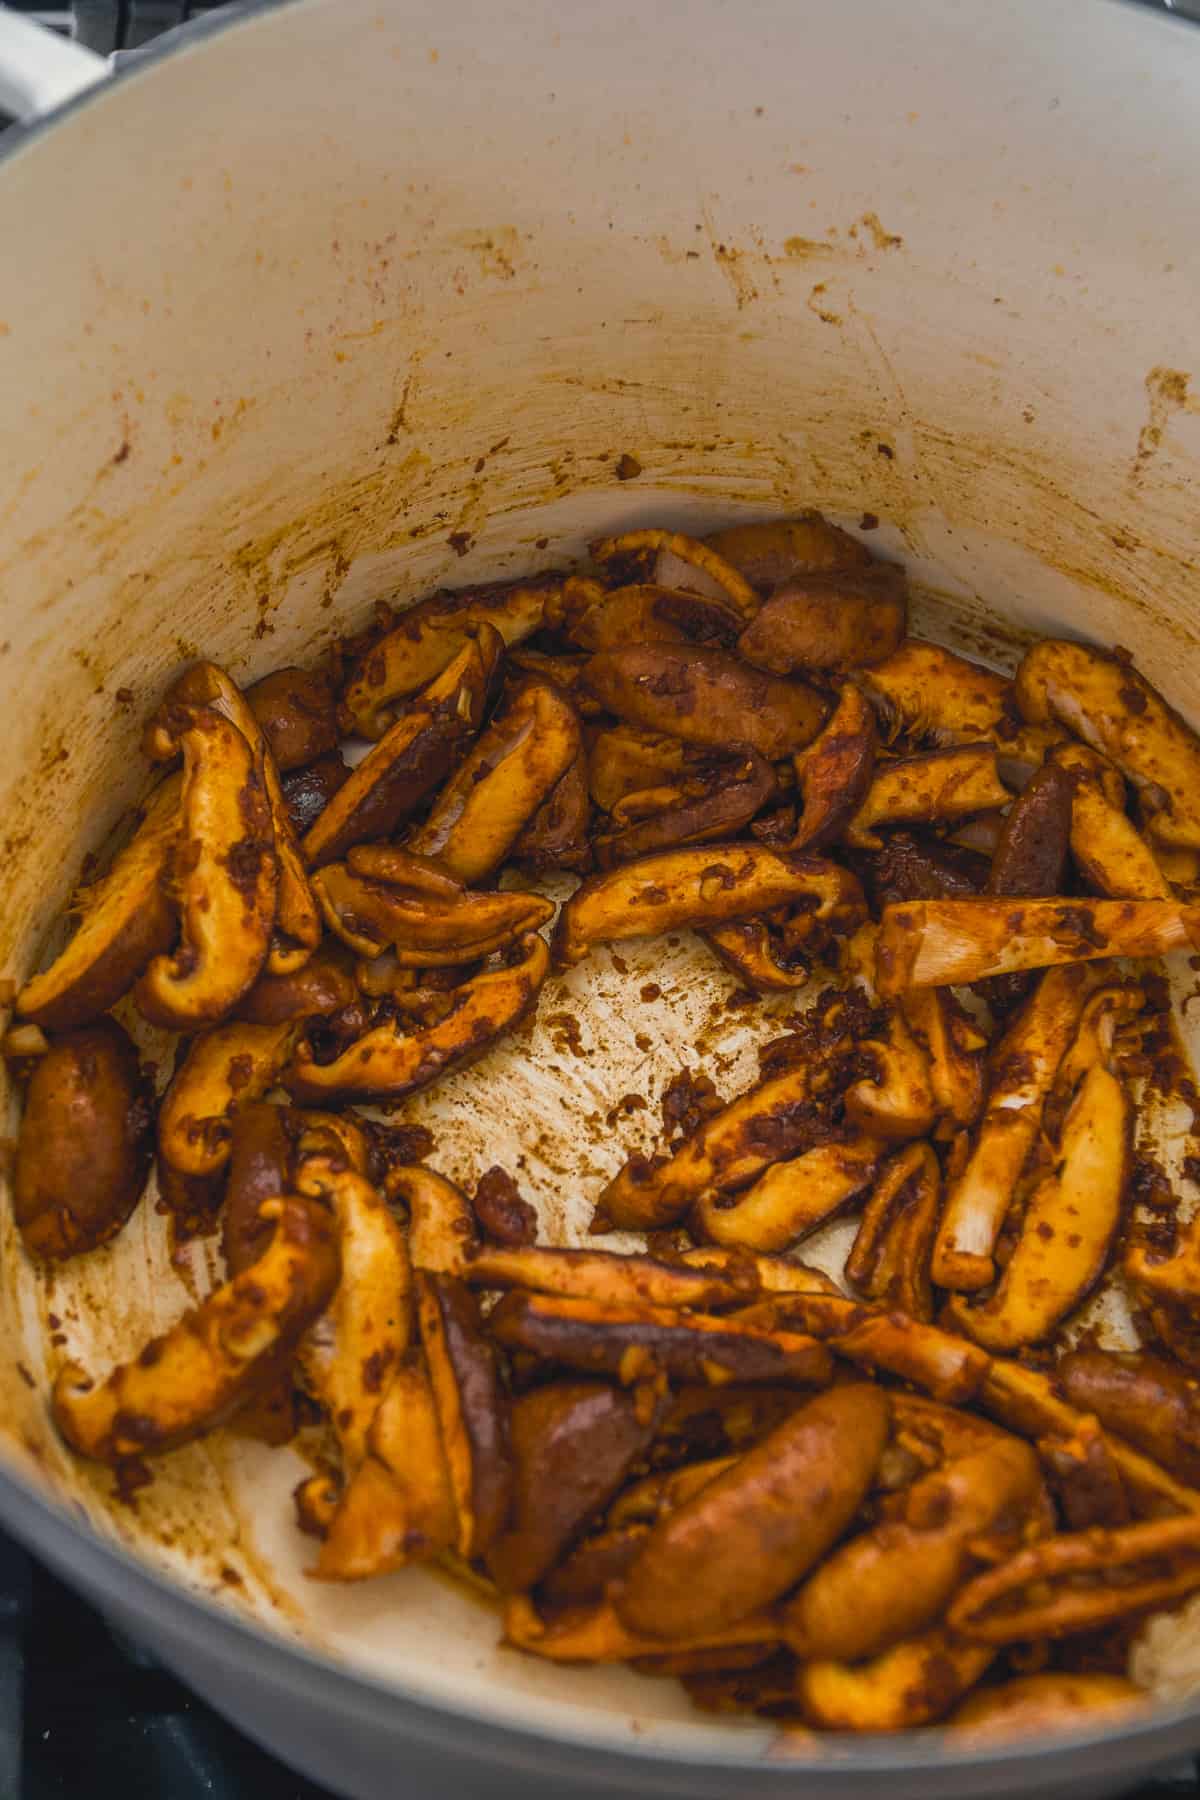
1167, 392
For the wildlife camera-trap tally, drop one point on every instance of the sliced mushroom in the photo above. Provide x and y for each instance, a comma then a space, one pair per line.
1069, 1224
604, 1276
948, 1367
572, 1444
705, 569
556, 837
1030, 1402
829, 622
697, 810
926, 692
223, 1071
758, 953
371, 912
1037, 1705
297, 921
398, 1506
792, 1198
635, 1342
83, 1150
430, 636
1144, 1399
941, 785
772, 1274
1169, 1279
562, 671
889, 1259
956, 1049
195, 1376
911, 867
225, 872
834, 773
1084, 1478
1031, 855
1102, 699
623, 760
441, 1221
895, 1098
1023, 1068
471, 1406
932, 943
1080, 1582
1109, 851
655, 1497
296, 712
753, 1531
349, 1356
897, 1579
308, 791
914, 1683
702, 887
595, 1634
776, 1118
777, 550
260, 1162
646, 613
413, 756
396, 1057
324, 984
125, 918
705, 697
482, 810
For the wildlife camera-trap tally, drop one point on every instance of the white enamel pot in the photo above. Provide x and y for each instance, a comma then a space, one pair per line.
344, 299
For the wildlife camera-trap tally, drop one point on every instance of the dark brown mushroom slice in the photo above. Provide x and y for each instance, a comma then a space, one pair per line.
829, 623
296, 711
472, 1408
706, 809
1031, 857
835, 771
705, 697
308, 791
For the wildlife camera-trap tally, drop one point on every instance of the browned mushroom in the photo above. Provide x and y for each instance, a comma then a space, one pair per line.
125, 918
197, 1374
792, 1198
594, 1634
472, 1409
296, 711
428, 637
955, 1047
226, 874
646, 613
1142, 1398
413, 756
1031, 855
224, 1070
708, 805
775, 550
1101, 698
829, 622
556, 837
834, 773
308, 791
324, 984
83, 1151
914, 1683
941, 785
703, 568
604, 1276
484, 807
623, 760
705, 697
927, 692
372, 907
1109, 851
441, 1220
889, 1259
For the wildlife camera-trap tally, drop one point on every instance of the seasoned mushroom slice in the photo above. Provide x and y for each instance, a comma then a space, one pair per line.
595, 1634
612, 1280
792, 1198
223, 1071
895, 1098
636, 1342
1080, 1582
1035, 840
914, 1683
430, 636
700, 887
308, 791
412, 757
941, 785
834, 773
125, 918
195, 1376
556, 837
1109, 851
926, 692
1023, 1068
759, 953
396, 1057
573, 1444
349, 1356
623, 760
956, 1048
482, 810
225, 872
372, 912
260, 1163
441, 1220
950, 1368
897, 1579
1069, 1224
472, 1409
296, 712
1102, 699
705, 697
935, 943
297, 921
777, 550
703, 569
714, 803
1142, 1398
889, 1259
646, 613
1037, 1705
828, 622
749, 1534
324, 984
83, 1151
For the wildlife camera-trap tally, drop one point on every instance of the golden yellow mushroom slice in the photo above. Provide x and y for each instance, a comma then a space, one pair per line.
941, 786
895, 1099
1023, 1067
604, 1276
224, 1071
370, 913
1102, 699
792, 1198
225, 872
914, 1683
197, 1374
441, 1223
774, 550
124, 918
1109, 851
717, 577
926, 692
957, 1050
1035, 1705
595, 1634
950, 1368
889, 1259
